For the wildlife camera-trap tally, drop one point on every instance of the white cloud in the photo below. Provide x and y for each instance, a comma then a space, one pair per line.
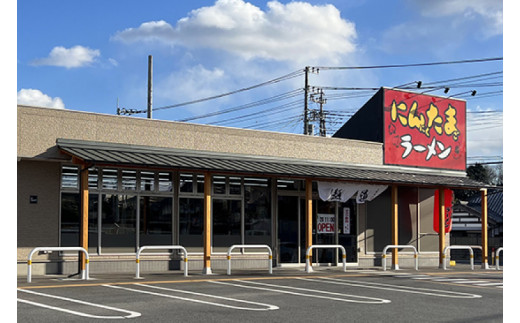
296, 31
36, 98
485, 131
488, 13
191, 84
77, 56
443, 26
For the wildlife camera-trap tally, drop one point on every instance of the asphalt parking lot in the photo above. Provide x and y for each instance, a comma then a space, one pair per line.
288, 295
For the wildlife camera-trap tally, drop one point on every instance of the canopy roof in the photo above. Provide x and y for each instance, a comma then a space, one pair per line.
110, 154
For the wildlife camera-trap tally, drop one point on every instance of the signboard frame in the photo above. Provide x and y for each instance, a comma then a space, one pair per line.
424, 131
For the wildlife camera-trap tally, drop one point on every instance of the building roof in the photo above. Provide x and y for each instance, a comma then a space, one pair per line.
494, 203
122, 155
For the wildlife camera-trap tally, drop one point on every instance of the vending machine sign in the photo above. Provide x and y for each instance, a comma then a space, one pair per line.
423, 130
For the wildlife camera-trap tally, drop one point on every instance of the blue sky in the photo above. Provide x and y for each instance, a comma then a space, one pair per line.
90, 55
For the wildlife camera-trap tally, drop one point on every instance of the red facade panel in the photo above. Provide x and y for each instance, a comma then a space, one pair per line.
424, 130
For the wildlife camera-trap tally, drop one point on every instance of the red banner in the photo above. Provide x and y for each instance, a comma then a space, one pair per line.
424, 130
448, 205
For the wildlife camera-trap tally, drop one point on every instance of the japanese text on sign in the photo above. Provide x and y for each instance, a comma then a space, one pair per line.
422, 130
325, 223
346, 220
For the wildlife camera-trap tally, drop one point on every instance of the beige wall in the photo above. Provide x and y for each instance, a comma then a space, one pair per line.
38, 129
37, 223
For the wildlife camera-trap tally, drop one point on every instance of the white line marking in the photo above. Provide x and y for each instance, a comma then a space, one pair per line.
452, 280
372, 300
490, 284
268, 307
473, 282
131, 313
397, 288
412, 276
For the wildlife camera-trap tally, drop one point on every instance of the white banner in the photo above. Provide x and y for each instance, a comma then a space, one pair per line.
342, 192
333, 191
369, 192
325, 223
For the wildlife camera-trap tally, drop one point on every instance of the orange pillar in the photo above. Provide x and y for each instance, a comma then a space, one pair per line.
83, 234
308, 217
395, 226
207, 224
442, 227
484, 221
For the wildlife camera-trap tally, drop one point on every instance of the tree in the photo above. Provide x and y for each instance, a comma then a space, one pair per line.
483, 174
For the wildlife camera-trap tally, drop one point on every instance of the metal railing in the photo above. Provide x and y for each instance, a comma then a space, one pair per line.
415, 255
497, 257
471, 257
308, 267
175, 247
84, 273
255, 246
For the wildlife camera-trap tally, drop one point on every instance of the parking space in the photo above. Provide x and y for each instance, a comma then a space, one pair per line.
357, 295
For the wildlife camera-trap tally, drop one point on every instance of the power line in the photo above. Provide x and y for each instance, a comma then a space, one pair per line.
276, 80
279, 97
409, 65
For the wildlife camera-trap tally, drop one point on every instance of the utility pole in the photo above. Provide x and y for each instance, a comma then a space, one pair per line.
305, 107
321, 115
321, 101
148, 111
150, 69
306, 101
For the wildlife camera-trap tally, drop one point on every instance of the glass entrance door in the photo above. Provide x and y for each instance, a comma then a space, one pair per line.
288, 228
333, 223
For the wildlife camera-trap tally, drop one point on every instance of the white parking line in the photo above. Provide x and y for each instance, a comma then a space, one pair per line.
474, 282
491, 284
131, 314
396, 288
267, 307
363, 299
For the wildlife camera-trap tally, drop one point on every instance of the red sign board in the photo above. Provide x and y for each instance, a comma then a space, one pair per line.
448, 205
424, 130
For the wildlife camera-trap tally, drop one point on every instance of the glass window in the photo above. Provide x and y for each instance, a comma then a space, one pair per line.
165, 182
235, 185
219, 185
324, 230
69, 177
186, 183
191, 223
347, 229
129, 180
147, 181
200, 183
155, 221
109, 179
118, 231
71, 218
257, 217
92, 178
226, 223
289, 185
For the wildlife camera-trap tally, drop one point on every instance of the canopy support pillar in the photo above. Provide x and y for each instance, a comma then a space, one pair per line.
395, 227
484, 220
207, 225
442, 226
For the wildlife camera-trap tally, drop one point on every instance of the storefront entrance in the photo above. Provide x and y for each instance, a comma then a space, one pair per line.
333, 223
